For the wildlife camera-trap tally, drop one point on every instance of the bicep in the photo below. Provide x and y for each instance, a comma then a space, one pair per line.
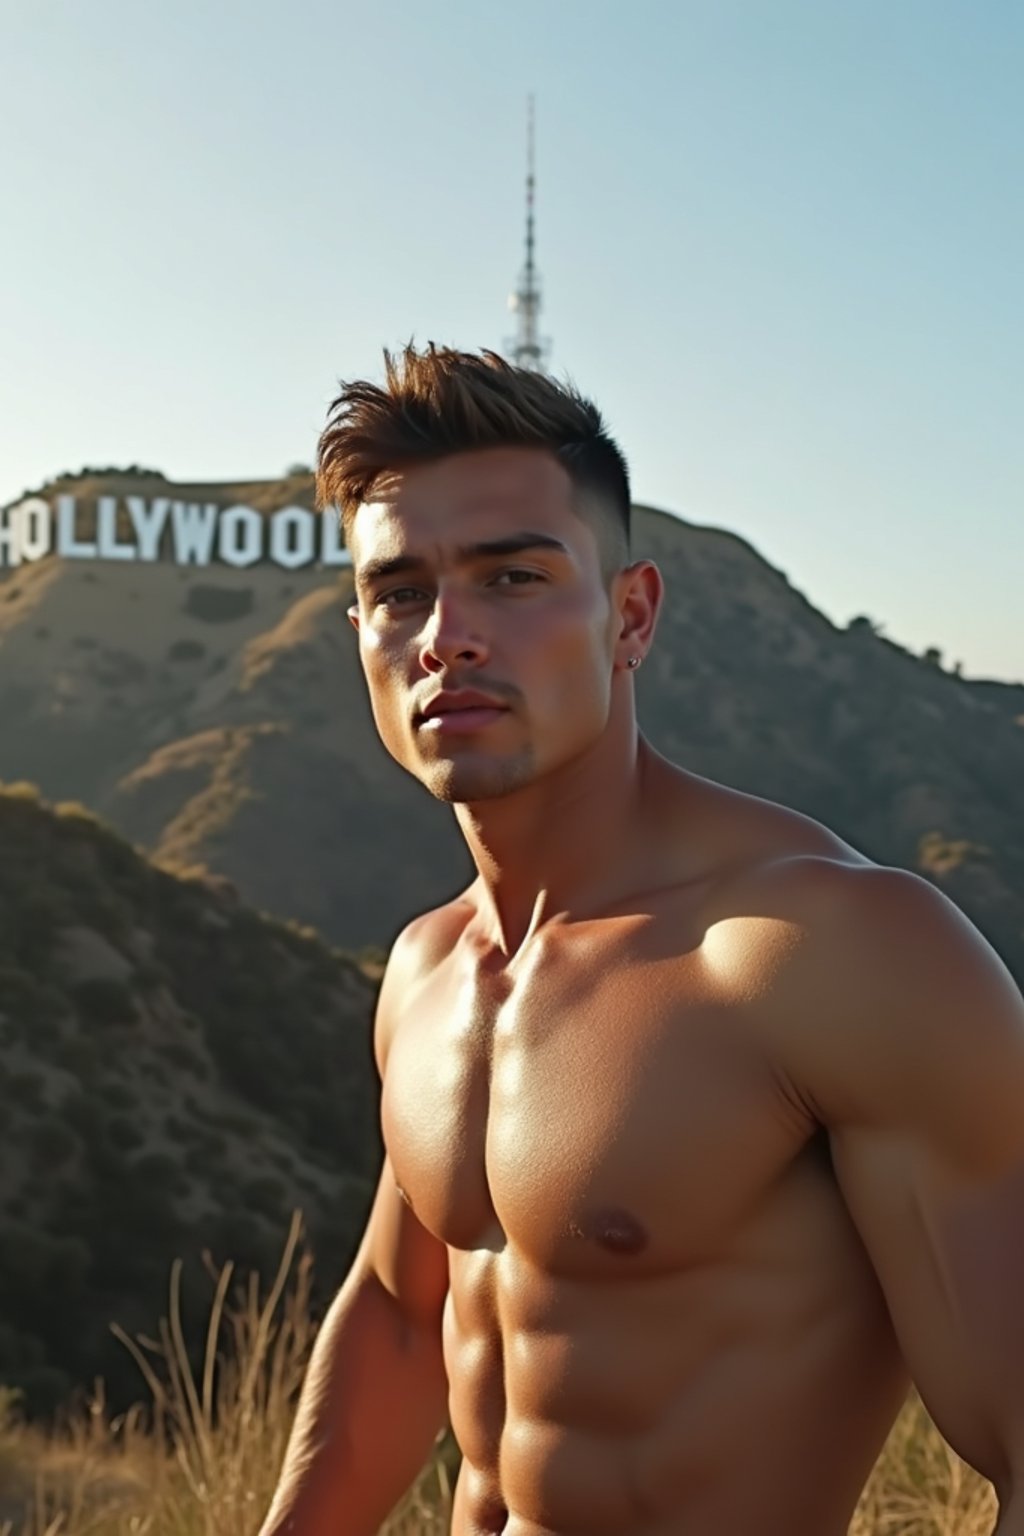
949, 1263
398, 1251
408, 1261
922, 1086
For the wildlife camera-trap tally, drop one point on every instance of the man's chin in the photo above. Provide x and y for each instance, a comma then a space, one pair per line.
462, 781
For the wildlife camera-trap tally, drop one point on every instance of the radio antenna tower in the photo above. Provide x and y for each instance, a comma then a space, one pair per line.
527, 349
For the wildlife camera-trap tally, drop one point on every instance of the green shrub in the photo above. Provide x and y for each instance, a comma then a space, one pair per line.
104, 1000
199, 1162
264, 1193
78, 1055
149, 975
186, 650
26, 1089
119, 1095
17, 991
179, 1054
124, 1134
158, 1168
52, 1144
219, 605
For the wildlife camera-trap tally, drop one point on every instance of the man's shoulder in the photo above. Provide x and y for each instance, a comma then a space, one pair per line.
852, 916
750, 836
829, 932
430, 937
422, 945
881, 967
848, 903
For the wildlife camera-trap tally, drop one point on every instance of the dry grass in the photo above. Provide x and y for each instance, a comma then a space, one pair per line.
921, 1487
203, 1458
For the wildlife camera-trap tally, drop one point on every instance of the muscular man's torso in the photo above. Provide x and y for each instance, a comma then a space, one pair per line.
661, 1320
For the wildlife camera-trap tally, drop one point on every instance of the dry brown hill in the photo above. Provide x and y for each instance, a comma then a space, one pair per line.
218, 718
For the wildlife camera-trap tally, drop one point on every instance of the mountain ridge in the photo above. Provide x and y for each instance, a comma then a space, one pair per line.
186, 1009
218, 718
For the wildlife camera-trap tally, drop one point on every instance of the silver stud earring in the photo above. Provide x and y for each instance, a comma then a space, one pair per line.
634, 661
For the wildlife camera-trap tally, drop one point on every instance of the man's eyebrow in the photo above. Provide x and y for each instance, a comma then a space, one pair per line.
512, 544
377, 570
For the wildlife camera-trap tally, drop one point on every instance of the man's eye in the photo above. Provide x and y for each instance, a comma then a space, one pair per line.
397, 597
518, 576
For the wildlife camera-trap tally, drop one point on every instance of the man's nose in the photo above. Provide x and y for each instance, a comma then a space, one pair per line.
451, 634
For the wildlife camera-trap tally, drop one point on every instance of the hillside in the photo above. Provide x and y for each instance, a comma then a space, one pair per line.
218, 718
178, 1073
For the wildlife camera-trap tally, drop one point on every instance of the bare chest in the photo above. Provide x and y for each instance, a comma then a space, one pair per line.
611, 1108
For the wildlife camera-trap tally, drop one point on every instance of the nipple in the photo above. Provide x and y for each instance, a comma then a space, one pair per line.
613, 1228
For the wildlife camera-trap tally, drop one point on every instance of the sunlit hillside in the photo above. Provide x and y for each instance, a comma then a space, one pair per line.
218, 718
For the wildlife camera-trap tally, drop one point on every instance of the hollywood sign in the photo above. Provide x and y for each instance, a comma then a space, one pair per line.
193, 533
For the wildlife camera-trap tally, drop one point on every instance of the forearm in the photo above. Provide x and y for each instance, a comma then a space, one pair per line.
371, 1406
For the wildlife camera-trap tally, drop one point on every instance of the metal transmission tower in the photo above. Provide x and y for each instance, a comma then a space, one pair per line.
528, 349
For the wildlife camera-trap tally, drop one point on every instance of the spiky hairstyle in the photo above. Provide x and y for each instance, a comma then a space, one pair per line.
440, 401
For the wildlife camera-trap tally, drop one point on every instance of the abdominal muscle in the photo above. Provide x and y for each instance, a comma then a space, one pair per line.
718, 1402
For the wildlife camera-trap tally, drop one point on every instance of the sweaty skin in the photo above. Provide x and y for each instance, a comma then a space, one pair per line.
660, 1318
607, 1191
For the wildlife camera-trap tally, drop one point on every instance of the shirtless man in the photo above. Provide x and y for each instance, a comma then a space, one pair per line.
704, 1133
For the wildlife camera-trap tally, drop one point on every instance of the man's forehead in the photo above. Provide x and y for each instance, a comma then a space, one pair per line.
489, 475
479, 495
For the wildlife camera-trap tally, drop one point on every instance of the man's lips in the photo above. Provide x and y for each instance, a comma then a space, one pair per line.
461, 709
455, 721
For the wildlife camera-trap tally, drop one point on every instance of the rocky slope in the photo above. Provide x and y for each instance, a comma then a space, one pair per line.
178, 1073
218, 718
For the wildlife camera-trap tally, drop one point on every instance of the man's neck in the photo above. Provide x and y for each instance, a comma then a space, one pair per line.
563, 848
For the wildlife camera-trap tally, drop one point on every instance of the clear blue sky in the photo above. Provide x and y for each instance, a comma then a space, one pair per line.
780, 243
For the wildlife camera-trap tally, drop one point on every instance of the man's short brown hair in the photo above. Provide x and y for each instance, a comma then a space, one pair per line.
440, 401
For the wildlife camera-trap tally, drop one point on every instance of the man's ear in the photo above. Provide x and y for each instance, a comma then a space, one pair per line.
353, 616
638, 596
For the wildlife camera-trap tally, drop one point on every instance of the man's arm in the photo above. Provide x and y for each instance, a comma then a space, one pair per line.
916, 1065
373, 1400
374, 1397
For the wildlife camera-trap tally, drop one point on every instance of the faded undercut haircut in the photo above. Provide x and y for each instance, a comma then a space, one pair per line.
440, 401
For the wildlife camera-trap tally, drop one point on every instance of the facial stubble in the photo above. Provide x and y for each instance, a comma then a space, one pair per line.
468, 777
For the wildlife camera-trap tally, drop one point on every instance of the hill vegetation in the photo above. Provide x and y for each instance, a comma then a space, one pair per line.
218, 718
178, 1074
180, 1071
